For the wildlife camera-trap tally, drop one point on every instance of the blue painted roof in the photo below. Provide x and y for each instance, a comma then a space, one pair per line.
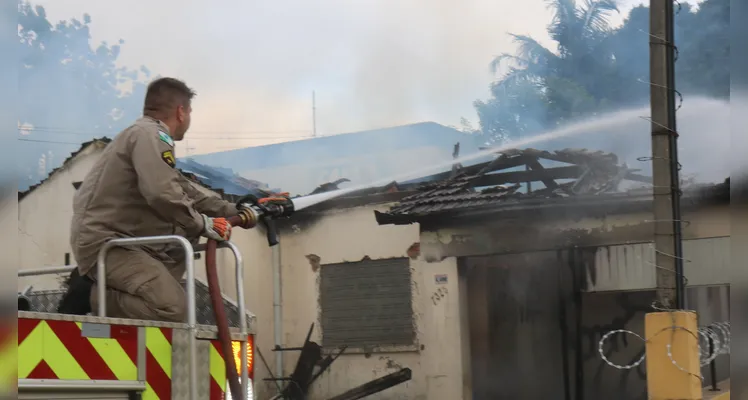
219, 178
300, 166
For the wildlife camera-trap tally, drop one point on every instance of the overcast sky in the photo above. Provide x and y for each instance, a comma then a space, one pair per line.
372, 63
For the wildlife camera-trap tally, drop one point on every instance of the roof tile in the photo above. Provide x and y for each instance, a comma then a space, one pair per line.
600, 174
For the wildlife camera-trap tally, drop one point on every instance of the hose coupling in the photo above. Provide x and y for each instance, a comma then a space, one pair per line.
249, 217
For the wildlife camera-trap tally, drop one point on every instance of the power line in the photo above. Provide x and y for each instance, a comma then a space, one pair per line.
48, 141
80, 143
214, 138
98, 132
188, 137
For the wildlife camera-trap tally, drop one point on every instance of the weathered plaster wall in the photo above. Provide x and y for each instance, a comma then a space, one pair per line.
350, 235
528, 324
44, 220
9, 244
523, 234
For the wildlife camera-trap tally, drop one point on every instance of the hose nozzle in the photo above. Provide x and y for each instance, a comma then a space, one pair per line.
266, 210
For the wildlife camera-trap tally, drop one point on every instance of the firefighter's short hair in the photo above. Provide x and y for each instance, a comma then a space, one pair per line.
165, 95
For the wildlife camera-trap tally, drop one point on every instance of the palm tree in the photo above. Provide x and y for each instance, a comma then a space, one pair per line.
575, 68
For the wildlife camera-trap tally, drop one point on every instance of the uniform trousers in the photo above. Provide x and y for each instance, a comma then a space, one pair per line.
140, 286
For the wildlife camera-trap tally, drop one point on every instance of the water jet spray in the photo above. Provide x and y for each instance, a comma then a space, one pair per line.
591, 125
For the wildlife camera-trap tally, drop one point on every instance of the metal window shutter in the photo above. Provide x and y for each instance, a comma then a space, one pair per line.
367, 303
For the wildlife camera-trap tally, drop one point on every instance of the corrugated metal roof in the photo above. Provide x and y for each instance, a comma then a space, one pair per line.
219, 179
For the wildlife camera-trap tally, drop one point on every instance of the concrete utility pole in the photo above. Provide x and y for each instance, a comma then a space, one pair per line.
667, 216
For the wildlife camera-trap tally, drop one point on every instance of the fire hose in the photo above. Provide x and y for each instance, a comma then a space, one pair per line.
253, 210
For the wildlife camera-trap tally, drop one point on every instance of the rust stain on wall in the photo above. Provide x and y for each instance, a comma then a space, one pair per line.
414, 250
314, 261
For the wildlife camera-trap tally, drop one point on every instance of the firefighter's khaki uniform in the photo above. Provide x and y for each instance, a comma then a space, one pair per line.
134, 190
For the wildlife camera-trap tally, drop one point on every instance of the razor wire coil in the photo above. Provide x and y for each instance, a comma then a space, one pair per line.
718, 333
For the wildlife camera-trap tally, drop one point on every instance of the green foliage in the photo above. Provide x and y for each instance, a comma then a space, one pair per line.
66, 83
596, 68
70, 91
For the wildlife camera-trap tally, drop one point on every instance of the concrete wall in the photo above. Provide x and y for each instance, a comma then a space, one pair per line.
528, 234
632, 266
528, 319
44, 220
529, 324
348, 236
9, 244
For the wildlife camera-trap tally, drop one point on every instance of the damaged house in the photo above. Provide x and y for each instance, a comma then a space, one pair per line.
537, 276
490, 278
483, 280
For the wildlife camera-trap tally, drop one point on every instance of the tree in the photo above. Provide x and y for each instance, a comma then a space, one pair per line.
554, 85
703, 42
70, 91
516, 108
596, 68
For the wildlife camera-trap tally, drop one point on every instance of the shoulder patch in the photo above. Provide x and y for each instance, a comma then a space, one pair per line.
168, 158
166, 138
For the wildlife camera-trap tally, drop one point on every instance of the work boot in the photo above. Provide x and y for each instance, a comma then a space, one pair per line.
77, 298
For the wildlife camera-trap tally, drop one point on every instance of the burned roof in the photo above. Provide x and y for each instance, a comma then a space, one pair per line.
577, 172
221, 179
105, 141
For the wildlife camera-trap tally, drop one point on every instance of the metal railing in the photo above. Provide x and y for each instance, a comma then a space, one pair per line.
189, 252
45, 271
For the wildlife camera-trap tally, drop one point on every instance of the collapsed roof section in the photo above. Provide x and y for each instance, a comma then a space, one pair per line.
516, 175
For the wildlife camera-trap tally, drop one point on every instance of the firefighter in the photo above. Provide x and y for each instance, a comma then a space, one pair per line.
134, 190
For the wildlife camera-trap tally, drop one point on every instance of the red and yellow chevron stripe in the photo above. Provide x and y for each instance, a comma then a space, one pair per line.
158, 363
217, 371
49, 349
8, 358
218, 366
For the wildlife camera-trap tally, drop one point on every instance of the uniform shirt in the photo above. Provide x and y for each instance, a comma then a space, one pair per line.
134, 190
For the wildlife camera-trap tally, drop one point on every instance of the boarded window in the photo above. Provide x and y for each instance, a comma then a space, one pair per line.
367, 304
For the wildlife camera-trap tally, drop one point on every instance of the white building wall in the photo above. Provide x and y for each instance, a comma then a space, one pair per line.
10, 241
706, 262
44, 217
348, 236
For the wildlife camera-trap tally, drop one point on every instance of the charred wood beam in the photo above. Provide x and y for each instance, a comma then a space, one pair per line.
504, 162
376, 386
571, 172
497, 164
548, 182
